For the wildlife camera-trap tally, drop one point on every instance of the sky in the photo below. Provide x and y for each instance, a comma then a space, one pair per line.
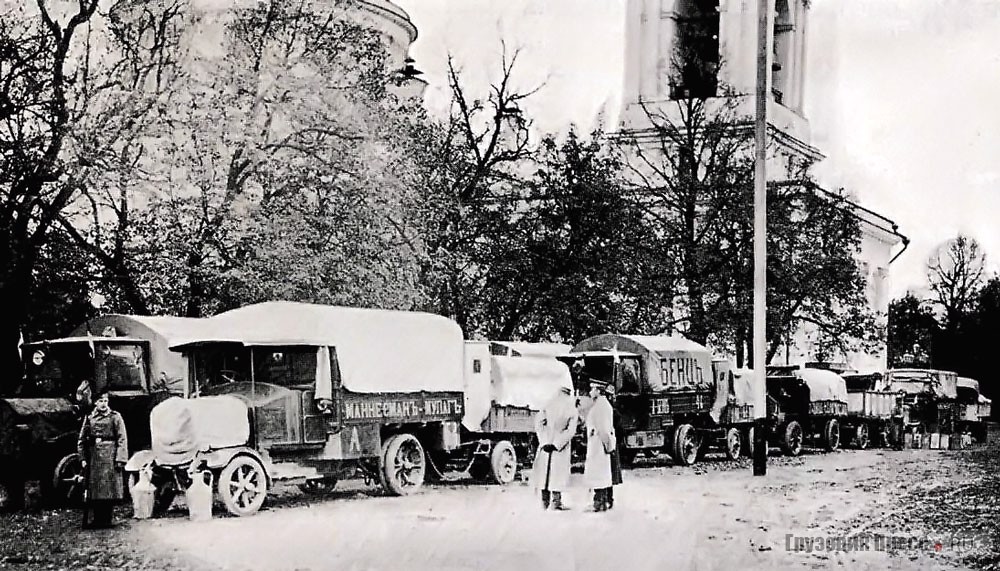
901, 96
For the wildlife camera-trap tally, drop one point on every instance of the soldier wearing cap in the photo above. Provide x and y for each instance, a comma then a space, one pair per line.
555, 426
601, 444
103, 450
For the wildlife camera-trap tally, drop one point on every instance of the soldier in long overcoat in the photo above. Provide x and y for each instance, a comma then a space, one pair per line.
601, 443
555, 426
103, 450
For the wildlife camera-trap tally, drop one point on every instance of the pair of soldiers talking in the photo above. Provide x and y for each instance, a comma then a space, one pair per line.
556, 425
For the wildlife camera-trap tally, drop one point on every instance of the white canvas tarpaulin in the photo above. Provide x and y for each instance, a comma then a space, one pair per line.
824, 385
525, 349
377, 350
742, 390
526, 382
181, 427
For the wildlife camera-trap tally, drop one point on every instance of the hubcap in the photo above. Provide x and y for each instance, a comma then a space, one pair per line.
508, 464
409, 465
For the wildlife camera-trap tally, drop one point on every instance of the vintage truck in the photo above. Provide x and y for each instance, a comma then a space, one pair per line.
975, 409
805, 406
40, 413
329, 392
929, 402
670, 394
874, 416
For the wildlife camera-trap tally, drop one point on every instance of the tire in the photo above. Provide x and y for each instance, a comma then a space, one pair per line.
319, 486
503, 463
242, 486
861, 439
68, 481
747, 435
163, 497
403, 464
734, 445
831, 435
686, 445
791, 440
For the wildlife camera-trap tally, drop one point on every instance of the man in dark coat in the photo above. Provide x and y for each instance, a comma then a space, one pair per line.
103, 450
616, 463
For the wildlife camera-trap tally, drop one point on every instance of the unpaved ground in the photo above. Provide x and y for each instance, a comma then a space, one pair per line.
716, 516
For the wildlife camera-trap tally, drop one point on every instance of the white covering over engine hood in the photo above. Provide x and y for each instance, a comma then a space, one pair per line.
181, 427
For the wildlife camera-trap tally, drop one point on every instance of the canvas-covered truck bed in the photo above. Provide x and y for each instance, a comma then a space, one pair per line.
509, 392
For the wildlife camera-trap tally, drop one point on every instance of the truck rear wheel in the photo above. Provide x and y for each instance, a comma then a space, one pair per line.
503, 463
402, 467
686, 445
831, 435
733, 444
791, 441
861, 439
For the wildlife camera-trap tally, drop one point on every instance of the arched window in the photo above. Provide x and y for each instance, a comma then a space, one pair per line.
784, 26
694, 65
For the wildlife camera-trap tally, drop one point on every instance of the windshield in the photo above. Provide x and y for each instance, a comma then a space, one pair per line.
59, 369
220, 364
625, 380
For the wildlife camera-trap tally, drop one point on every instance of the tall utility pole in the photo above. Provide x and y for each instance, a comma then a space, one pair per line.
760, 243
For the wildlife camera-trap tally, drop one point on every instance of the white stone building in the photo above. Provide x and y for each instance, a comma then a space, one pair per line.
723, 36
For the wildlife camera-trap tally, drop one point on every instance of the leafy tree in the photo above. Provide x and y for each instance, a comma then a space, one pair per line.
911, 331
468, 171
65, 105
693, 173
578, 262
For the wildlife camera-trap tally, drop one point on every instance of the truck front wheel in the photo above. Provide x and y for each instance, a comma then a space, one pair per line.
831, 435
791, 442
861, 439
243, 486
402, 467
733, 444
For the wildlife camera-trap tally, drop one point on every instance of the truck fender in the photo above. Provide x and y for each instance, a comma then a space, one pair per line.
138, 460
218, 459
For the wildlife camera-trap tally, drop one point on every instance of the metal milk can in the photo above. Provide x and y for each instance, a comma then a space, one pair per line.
143, 494
199, 496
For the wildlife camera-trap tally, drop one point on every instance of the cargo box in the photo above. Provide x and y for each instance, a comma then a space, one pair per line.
871, 404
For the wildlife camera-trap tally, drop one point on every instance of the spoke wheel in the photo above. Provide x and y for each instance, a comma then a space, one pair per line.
503, 463
68, 481
242, 486
403, 464
733, 444
791, 443
686, 445
831, 435
861, 437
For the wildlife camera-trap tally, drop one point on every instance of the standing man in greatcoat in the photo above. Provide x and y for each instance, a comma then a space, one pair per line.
601, 443
555, 426
616, 463
103, 450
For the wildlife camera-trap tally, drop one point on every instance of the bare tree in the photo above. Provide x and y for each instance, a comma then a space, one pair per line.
956, 273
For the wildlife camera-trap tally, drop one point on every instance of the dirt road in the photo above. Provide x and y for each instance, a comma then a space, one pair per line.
716, 516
